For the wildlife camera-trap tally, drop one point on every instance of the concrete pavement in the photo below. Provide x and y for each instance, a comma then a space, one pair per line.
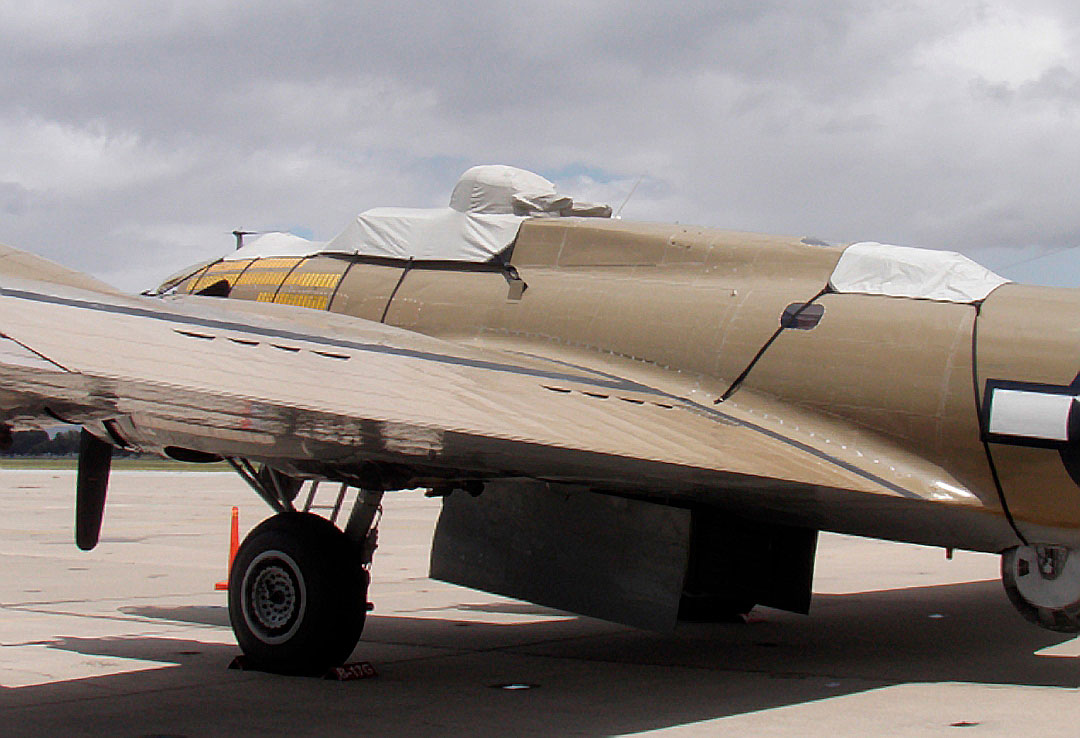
131, 640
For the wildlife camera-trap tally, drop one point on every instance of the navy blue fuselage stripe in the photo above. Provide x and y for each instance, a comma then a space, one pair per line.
611, 381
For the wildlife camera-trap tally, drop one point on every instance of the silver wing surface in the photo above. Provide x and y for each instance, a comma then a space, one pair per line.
322, 394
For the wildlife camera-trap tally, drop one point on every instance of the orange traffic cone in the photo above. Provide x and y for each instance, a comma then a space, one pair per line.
234, 543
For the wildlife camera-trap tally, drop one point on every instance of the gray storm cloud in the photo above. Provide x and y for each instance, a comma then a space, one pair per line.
137, 135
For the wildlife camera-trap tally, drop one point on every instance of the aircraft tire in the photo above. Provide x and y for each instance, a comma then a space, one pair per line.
1054, 603
297, 595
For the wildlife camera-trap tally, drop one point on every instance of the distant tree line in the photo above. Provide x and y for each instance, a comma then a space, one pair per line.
39, 443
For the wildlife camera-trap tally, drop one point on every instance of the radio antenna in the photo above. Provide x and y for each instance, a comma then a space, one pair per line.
1040, 256
632, 191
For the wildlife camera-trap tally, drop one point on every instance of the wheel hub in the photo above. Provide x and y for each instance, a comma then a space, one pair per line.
1045, 576
273, 596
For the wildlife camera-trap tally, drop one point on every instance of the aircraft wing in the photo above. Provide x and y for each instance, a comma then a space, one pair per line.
313, 390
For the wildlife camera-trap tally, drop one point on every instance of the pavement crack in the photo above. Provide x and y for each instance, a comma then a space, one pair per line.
36, 603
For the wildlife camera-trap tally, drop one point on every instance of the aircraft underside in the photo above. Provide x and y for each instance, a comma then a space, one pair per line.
298, 585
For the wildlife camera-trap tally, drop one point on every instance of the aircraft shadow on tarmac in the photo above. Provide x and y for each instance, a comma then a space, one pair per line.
851, 643
201, 614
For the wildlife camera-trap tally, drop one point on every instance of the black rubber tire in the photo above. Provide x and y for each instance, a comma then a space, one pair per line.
297, 595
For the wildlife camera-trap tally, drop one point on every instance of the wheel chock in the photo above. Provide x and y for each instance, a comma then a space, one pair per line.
234, 544
350, 672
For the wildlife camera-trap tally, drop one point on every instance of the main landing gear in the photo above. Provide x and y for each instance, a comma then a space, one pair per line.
298, 585
297, 595
1043, 583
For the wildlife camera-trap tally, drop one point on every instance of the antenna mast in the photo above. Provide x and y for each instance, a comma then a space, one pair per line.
240, 237
632, 191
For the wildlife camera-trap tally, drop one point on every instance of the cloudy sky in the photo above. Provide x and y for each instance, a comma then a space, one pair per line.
136, 135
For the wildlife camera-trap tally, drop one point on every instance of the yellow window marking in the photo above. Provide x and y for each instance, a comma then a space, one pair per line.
227, 267
276, 263
216, 272
314, 279
208, 279
275, 272
316, 302
252, 278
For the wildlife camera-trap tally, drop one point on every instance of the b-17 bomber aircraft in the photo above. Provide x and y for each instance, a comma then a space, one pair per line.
632, 421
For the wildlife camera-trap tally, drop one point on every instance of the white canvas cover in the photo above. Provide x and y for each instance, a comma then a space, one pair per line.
900, 271
496, 189
486, 208
491, 189
435, 234
277, 243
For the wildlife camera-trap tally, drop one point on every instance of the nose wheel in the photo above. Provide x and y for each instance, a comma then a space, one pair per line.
297, 595
1043, 583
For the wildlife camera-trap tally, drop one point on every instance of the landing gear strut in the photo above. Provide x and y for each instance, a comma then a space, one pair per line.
1043, 583
298, 585
297, 595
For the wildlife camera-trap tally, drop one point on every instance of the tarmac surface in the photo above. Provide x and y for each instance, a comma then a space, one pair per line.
132, 640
